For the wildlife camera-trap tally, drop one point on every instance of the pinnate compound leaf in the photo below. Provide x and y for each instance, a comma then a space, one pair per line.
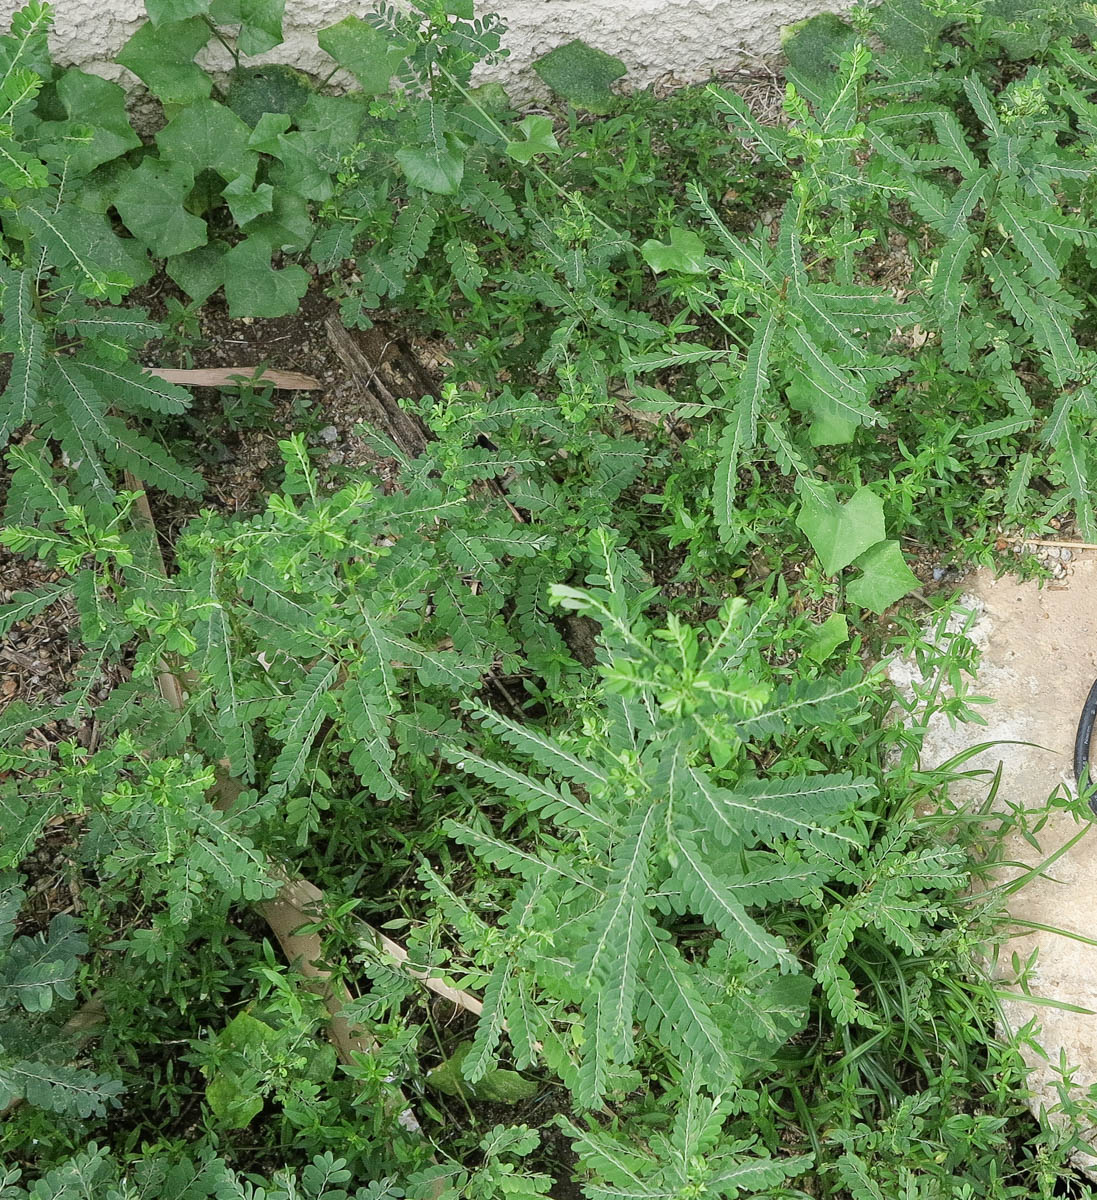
543, 749
150, 202
28, 344
148, 460
36, 970
303, 718
839, 533
69, 1091
807, 702
751, 1176
371, 56
254, 288
885, 578
621, 928
807, 807
489, 1030
672, 1009
704, 892
107, 264
24, 605
581, 74
1077, 467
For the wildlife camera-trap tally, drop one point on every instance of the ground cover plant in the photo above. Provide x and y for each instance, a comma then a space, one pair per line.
525, 812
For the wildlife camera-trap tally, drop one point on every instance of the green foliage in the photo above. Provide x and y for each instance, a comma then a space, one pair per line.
36, 979
576, 707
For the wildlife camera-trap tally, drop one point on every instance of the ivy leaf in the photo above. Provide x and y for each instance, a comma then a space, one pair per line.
111, 134
199, 272
303, 167
150, 202
162, 57
539, 140
271, 88
826, 638
439, 171
885, 578
266, 137
206, 134
260, 22
254, 288
840, 532
368, 54
288, 226
686, 252
246, 203
581, 74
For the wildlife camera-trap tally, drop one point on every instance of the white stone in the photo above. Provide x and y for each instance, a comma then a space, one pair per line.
691, 39
1038, 660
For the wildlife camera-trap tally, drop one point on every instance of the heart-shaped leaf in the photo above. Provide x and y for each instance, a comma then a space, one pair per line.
150, 202
206, 134
539, 140
885, 578
433, 170
840, 532
162, 57
686, 252
254, 288
368, 54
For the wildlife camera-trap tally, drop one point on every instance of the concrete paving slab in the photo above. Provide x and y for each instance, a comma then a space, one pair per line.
1039, 659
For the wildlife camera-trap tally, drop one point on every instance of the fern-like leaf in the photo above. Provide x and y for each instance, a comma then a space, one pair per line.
304, 715
704, 892
543, 749
24, 390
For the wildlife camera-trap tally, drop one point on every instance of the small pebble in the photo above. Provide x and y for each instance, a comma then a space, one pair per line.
1066, 555
329, 434
939, 574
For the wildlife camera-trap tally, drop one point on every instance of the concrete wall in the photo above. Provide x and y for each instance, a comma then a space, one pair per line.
690, 39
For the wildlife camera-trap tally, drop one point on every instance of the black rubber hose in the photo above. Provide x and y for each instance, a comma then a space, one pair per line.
1082, 740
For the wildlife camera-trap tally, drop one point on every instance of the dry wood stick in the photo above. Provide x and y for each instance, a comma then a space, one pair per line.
288, 381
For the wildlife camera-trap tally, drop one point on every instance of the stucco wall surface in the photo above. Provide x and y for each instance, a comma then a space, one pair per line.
690, 39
